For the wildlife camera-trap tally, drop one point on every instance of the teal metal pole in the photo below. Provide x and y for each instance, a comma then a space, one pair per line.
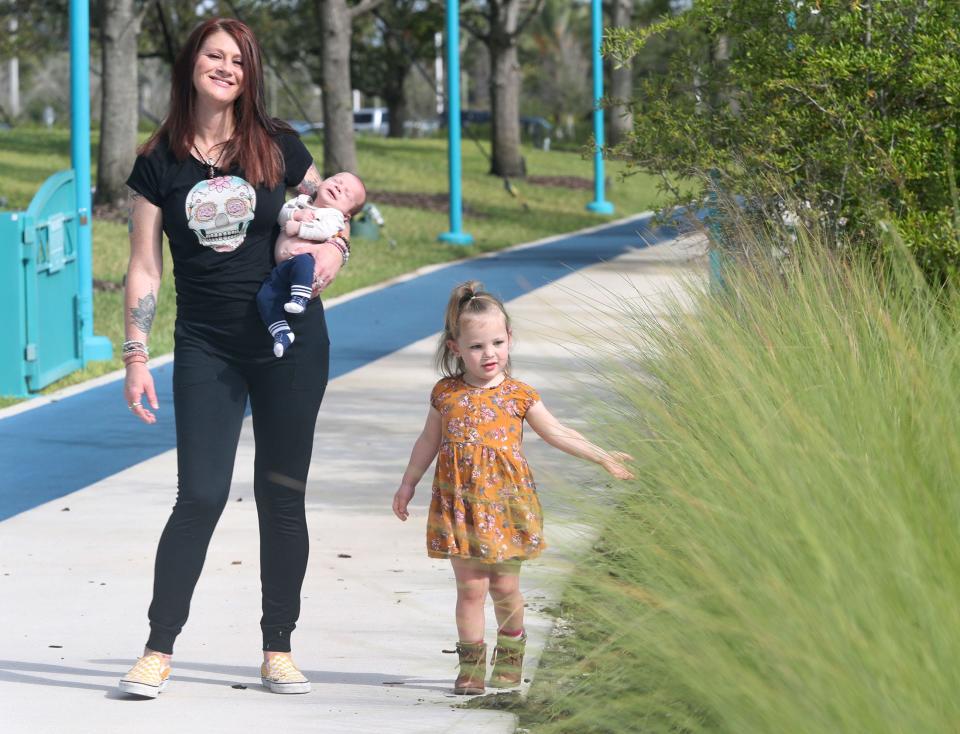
94, 347
455, 236
599, 204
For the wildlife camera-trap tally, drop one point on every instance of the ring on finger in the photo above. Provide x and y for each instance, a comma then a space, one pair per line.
135, 405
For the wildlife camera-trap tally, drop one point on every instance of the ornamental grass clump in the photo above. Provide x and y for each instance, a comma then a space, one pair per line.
788, 558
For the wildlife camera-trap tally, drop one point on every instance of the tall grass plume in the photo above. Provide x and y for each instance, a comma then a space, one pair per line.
788, 559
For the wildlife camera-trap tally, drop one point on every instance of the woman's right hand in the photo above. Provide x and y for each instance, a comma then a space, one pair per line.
140, 300
137, 388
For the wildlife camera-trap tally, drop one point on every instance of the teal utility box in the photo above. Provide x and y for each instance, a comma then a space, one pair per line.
364, 228
41, 337
364, 224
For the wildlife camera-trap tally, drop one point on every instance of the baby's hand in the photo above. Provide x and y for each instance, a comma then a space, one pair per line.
303, 215
615, 464
400, 501
292, 227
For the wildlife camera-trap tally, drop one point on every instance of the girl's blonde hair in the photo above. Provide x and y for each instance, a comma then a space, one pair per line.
467, 299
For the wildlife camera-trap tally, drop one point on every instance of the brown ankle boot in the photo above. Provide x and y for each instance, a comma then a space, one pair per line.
473, 668
508, 661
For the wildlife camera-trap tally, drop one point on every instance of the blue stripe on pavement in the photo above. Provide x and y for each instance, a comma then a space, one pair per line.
69, 444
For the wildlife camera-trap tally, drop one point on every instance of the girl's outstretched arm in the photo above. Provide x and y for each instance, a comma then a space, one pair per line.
566, 439
423, 454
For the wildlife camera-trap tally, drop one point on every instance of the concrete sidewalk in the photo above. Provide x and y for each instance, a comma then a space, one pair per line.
76, 572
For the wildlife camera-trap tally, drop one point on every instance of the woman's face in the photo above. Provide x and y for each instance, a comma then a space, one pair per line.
218, 70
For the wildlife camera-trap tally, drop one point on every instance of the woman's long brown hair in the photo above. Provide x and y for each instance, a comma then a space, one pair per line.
251, 146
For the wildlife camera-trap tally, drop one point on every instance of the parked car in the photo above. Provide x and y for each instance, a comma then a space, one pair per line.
303, 127
374, 120
535, 126
537, 129
530, 124
478, 117
421, 128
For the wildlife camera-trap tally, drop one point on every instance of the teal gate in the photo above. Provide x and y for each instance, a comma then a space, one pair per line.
41, 340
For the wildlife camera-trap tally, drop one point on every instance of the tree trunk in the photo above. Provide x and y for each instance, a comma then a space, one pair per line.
397, 107
505, 94
339, 147
621, 79
395, 97
120, 28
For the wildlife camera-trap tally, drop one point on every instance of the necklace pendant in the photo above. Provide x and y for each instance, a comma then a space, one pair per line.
210, 171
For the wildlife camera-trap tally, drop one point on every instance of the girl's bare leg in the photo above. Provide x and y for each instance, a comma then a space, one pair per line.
473, 583
507, 599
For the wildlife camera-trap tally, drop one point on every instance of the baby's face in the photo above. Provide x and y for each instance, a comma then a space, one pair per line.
342, 191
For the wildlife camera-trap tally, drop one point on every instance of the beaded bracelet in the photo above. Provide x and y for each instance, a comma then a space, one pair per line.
133, 346
343, 245
341, 235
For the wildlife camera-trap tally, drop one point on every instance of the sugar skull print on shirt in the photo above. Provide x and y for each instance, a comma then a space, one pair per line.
220, 210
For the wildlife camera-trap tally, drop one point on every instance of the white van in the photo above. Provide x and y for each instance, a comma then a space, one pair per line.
374, 120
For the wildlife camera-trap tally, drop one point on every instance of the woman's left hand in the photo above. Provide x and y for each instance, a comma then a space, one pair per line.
327, 262
327, 259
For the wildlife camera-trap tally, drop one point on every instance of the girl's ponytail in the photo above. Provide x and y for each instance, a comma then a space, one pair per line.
467, 299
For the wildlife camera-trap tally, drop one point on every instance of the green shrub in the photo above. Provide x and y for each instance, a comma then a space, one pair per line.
853, 105
788, 558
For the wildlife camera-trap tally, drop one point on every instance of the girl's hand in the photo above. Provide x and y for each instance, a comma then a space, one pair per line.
615, 464
137, 387
400, 501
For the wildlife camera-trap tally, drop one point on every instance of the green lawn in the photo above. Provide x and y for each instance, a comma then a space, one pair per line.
494, 217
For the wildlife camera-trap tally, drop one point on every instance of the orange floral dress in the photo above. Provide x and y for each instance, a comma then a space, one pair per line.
484, 504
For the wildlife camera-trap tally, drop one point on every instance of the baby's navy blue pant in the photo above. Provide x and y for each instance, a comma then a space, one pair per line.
275, 291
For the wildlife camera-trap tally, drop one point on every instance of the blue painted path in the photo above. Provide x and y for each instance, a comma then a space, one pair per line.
66, 445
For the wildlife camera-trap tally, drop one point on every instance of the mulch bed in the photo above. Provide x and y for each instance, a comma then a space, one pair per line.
567, 182
107, 286
110, 213
418, 200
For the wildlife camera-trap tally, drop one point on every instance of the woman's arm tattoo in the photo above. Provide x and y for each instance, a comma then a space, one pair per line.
311, 182
132, 197
142, 315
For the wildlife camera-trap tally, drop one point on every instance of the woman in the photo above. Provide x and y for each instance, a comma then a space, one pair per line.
213, 179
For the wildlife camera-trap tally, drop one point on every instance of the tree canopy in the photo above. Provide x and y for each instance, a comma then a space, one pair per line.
846, 107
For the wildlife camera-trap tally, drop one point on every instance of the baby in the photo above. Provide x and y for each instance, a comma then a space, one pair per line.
320, 218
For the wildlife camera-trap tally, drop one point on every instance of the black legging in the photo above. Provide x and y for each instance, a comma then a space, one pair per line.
216, 367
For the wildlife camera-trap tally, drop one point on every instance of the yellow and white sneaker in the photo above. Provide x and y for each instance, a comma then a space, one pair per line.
147, 677
280, 675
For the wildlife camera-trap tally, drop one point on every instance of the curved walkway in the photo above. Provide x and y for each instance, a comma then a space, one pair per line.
85, 493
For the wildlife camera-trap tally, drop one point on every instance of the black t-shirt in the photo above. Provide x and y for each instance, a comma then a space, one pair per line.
221, 230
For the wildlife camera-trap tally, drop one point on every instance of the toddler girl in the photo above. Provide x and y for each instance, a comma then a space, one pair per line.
484, 513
